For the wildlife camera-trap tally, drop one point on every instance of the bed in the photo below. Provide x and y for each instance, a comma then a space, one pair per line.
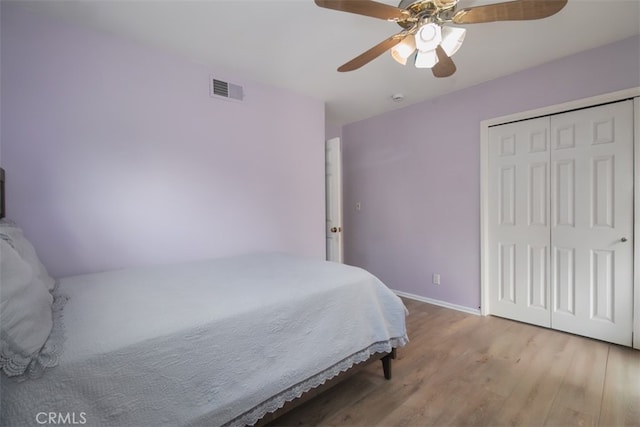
214, 342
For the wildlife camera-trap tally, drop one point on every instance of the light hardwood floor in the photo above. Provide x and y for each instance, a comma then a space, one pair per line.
461, 369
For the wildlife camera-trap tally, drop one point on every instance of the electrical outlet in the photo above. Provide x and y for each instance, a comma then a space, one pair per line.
436, 279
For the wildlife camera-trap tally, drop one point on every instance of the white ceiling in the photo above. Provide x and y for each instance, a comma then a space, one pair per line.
297, 45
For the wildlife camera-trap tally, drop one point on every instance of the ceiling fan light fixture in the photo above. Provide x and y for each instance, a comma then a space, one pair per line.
426, 59
452, 38
403, 50
428, 37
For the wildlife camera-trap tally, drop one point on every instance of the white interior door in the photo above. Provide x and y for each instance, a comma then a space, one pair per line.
560, 221
519, 221
333, 185
592, 222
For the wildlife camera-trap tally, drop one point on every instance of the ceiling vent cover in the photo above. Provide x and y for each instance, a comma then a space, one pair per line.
225, 90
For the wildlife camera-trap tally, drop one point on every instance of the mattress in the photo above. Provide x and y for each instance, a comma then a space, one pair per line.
216, 342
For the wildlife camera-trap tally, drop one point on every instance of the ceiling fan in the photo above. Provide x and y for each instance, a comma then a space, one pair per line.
426, 31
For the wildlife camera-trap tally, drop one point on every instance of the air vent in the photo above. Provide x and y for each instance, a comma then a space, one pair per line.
225, 90
220, 88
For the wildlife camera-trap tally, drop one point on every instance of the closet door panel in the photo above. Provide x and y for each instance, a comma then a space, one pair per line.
592, 214
519, 228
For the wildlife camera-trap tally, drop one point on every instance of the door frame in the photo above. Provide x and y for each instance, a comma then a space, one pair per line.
485, 308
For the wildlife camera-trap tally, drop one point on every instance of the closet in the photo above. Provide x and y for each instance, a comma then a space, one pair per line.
559, 221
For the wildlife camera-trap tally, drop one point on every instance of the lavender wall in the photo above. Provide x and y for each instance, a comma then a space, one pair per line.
416, 171
332, 130
116, 155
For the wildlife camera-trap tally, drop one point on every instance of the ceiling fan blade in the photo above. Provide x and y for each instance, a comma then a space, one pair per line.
510, 11
366, 8
445, 66
372, 53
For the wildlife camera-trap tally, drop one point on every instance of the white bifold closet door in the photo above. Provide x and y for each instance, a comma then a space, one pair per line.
561, 221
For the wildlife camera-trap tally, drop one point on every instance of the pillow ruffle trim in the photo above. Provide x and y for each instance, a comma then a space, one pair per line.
31, 366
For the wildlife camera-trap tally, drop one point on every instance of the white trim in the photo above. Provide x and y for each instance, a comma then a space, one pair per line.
566, 106
438, 302
636, 224
485, 308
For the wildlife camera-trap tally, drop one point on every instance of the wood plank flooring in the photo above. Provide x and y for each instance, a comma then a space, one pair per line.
461, 369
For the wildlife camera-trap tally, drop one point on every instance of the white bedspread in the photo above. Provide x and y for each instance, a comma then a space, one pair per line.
207, 343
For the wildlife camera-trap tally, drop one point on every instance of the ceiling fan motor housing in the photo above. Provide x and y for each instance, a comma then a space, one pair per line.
427, 4
426, 11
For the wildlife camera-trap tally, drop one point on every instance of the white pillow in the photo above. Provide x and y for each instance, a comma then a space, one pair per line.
26, 316
10, 232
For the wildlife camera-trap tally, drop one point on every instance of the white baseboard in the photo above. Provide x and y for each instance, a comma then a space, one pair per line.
437, 302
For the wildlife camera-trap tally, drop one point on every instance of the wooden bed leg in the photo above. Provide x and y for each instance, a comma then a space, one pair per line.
386, 365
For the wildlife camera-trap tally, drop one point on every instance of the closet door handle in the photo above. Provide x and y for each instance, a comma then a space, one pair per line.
624, 239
